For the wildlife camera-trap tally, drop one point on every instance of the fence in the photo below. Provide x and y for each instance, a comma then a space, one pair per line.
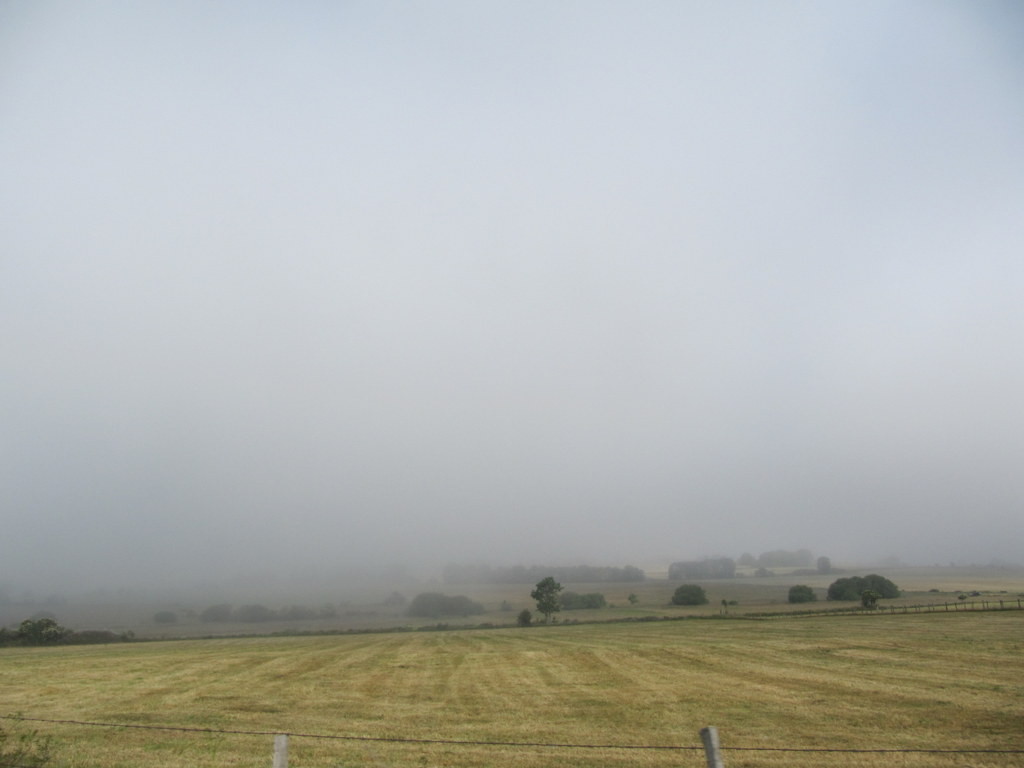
1006, 604
711, 746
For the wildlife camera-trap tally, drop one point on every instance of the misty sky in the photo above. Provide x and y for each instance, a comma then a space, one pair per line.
295, 285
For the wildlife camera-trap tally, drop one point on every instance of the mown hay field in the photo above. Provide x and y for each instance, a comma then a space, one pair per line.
929, 682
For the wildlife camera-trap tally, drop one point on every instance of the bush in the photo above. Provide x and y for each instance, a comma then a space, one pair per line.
690, 594
525, 618
801, 593
573, 601
852, 587
434, 604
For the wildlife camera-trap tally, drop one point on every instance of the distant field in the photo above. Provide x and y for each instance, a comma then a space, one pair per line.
363, 608
929, 681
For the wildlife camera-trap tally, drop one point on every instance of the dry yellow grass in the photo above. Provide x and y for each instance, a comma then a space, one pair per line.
938, 681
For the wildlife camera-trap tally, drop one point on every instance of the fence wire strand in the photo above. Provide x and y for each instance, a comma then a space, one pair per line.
530, 744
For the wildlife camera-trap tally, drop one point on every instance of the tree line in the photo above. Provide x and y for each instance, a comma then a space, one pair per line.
46, 631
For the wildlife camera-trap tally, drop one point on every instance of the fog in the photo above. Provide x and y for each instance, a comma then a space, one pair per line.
289, 290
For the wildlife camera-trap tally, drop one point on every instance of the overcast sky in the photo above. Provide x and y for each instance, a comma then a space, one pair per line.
294, 285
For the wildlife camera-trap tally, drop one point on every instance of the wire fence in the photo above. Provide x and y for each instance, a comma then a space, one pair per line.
535, 745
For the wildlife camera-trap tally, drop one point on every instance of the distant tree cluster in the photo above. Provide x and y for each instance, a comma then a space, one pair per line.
853, 587
434, 604
46, 631
801, 593
573, 601
519, 574
253, 613
689, 594
709, 568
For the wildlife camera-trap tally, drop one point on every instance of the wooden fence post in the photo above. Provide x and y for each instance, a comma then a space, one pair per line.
712, 751
281, 751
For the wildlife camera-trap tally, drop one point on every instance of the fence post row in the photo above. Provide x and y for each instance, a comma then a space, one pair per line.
708, 735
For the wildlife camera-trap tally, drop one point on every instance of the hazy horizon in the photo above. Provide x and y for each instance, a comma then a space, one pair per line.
292, 289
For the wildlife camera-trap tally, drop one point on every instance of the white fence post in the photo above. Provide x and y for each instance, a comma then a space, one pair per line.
281, 751
709, 736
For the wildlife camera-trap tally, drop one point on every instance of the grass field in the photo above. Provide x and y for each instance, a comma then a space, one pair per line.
929, 681
363, 609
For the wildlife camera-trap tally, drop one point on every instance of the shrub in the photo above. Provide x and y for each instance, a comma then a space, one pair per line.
525, 618
434, 604
801, 593
690, 594
573, 601
96, 637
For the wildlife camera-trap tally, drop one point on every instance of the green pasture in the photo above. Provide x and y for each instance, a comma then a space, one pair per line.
915, 681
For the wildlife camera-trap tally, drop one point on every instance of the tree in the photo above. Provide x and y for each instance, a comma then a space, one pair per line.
801, 593
525, 618
869, 598
165, 617
42, 632
851, 587
690, 594
824, 565
546, 593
